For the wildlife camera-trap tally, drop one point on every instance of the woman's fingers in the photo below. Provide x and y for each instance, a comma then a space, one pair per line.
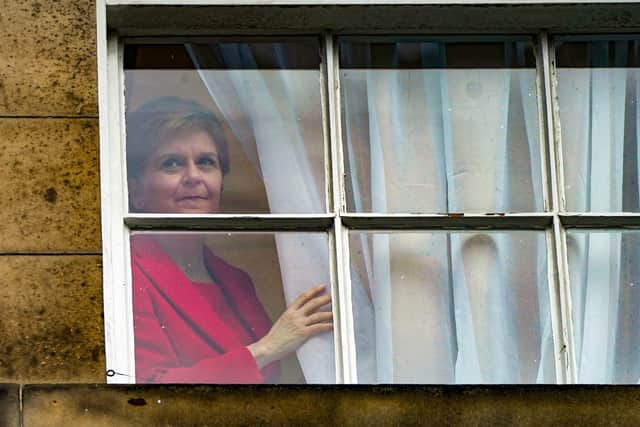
315, 303
299, 322
321, 316
304, 297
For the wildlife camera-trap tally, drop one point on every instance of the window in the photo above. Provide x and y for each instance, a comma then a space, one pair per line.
461, 196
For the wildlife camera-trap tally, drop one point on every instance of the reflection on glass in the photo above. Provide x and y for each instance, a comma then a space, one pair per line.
458, 307
433, 126
598, 90
227, 308
604, 273
253, 108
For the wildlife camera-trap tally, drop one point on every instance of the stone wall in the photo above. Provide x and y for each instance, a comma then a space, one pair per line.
51, 328
94, 405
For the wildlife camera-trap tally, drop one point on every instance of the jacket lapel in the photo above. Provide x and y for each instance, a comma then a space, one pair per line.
180, 293
240, 293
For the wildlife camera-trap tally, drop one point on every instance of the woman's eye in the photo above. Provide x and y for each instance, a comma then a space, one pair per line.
170, 163
209, 162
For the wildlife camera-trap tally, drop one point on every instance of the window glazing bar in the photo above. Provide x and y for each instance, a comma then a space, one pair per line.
344, 330
530, 221
545, 164
559, 281
319, 222
600, 220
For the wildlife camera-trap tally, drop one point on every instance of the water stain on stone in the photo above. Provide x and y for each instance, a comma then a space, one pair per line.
137, 401
51, 195
36, 7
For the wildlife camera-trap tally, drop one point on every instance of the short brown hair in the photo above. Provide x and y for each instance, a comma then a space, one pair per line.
161, 118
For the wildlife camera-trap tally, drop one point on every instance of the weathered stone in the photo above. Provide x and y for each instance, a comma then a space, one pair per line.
50, 193
51, 327
9, 405
87, 405
47, 57
176, 406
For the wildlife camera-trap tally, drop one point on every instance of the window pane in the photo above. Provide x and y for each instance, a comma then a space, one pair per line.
203, 304
244, 113
598, 88
605, 296
456, 307
434, 126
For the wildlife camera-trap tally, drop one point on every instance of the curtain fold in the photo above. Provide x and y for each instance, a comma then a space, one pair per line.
476, 183
404, 178
265, 109
593, 103
356, 105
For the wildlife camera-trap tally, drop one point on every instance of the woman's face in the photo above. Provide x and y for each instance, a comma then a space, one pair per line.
182, 176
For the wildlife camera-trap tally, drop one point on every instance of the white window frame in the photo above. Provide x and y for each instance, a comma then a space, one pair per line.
560, 16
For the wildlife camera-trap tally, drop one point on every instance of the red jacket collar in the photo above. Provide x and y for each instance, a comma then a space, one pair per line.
172, 284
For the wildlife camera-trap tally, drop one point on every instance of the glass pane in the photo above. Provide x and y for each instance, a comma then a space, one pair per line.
233, 126
224, 308
440, 125
605, 295
452, 307
598, 89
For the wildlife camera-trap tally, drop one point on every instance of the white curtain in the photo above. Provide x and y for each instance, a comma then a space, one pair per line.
268, 112
595, 114
440, 307
448, 307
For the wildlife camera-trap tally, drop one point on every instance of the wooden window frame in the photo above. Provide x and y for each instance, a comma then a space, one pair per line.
119, 19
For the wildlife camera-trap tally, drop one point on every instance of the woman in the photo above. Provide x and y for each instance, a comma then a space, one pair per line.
197, 319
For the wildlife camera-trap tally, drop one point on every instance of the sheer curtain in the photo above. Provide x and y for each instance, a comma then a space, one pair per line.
448, 307
599, 120
274, 114
436, 140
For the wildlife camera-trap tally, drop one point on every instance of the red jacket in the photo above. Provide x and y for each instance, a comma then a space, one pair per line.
179, 338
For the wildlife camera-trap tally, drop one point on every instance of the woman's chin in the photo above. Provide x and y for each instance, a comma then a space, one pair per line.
196, 211
195, 206
191, 207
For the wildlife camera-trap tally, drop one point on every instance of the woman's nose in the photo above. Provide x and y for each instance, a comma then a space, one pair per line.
192, 174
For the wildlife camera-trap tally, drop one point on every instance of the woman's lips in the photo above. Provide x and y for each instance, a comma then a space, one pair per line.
193, 197
193, 201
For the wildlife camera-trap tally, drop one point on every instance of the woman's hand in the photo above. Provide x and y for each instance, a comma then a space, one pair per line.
300, 321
